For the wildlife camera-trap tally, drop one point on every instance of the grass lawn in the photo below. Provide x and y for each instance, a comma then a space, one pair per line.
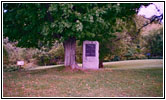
106, 82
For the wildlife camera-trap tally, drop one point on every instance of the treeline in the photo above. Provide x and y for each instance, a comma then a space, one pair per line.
147, 46
125, 45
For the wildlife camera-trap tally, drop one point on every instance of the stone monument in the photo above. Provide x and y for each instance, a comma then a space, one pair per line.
90, 55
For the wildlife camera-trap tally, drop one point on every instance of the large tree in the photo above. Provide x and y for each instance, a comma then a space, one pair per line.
38, 24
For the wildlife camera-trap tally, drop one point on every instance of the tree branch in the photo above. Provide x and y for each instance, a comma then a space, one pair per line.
48, 15
152, 19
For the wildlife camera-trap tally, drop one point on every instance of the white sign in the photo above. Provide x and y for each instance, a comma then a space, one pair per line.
20, 62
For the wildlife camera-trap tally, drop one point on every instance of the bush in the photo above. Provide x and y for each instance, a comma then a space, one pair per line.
42, 58
56, 55
154, 43
51, 57
5, 56
10, 68
116, 58
129, 54
27, 54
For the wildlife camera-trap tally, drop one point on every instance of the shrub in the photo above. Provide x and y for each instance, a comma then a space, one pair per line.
10, 68
129, 54
42, 58
154, 43
57, 54
5, 56
27, 54
50, 57
116, 58
12, 54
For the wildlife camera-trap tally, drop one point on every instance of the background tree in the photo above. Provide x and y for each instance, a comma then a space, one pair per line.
154, 43
125, 42
36, 25
131, 43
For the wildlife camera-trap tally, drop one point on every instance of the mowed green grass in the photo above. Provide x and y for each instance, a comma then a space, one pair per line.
106, 82
135, 64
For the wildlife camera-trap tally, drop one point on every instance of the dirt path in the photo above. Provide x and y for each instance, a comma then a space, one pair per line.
128, 64
44, 67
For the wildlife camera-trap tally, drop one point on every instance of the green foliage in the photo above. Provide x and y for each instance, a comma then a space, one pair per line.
154, 43
11, 53
129, 43
134, 53
35, 24
50, 57
38, 25
43, 59
5, 56
11, 68
57, 54
123, 45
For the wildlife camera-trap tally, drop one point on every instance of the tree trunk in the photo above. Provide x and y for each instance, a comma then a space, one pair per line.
70, 53
101, 64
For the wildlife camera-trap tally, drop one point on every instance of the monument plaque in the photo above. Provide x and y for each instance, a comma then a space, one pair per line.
90, 49
90, 55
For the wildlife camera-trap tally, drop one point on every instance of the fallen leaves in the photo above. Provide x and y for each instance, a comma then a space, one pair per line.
90, 83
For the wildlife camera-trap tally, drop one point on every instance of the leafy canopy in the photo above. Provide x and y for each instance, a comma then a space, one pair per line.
37, 24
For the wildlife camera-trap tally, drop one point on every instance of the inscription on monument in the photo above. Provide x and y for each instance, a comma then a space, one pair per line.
90, 50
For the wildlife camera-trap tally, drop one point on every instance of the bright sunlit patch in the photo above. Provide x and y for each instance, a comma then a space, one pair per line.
5, 11
151, 10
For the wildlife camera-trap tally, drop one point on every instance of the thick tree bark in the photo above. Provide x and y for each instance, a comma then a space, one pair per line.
70, 53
